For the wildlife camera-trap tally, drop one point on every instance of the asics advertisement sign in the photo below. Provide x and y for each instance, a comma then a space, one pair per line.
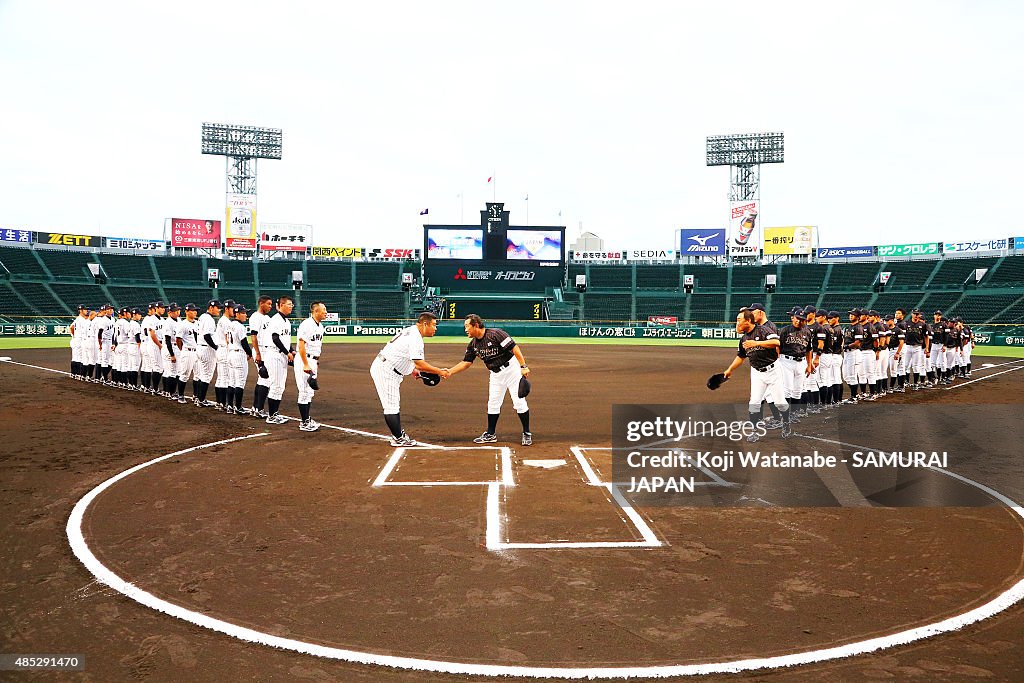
701, 242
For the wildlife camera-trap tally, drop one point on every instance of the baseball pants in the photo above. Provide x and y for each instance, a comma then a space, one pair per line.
793, 375
90, 351
813, 381
277, 368
967, 353
146, 356
76, 351
170, 368
897, 366
502, 381
224, 371
937, 359
915, 360
882, 365
952, 355
134, 358
851, 367
868, 366
766, 385
206, 363
238, 366
302, 381
104, 356
388, 382
834, 363
187, 362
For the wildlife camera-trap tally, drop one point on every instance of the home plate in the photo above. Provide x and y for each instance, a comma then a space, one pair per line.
546, 464
4, 358
988, 365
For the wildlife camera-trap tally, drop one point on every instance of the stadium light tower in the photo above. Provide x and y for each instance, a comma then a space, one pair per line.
242, 145
744, 154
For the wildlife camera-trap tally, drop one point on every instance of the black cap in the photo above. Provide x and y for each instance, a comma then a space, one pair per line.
174, 307
916, 311
873, 312
239, 308
191, 307
230, 303
159, 304
136, 311
151, 304
215, 302
123, 311
937, 313
810, 309
890, 316
106, 306
796, 311
833, 314
83, 307
755, 307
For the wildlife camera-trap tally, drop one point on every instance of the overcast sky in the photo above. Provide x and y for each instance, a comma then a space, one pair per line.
902, 119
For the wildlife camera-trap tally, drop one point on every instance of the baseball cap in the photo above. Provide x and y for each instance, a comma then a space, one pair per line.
230, 303
83, 307
159, 304
239, 308
833, 314
136, 311
755, 307
937, 313
810, 309
174, 307
873, 312
890, 316
106, 306
151, 304
215, 302
797, 311
191, 307
916, 311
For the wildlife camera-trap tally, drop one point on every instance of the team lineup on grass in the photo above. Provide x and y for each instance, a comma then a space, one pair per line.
159, 353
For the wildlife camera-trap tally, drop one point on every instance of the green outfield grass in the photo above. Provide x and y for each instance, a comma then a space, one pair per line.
62, 342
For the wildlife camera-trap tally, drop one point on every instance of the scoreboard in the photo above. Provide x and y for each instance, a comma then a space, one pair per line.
497, 308
494, 256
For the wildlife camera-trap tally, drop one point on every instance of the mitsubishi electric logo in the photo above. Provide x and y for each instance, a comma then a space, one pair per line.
460, 275
523, 275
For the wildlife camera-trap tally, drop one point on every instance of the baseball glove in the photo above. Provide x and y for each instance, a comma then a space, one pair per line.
717, 380
313, 384
431, 379
264, 373
524, 387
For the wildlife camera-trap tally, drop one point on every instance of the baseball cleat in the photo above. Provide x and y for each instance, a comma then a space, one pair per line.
230, 410
309, 426
207, 404
527, 439
753, 438
276, 419
260, 413
403, 440
486, 437
243, 411
787, 430
182, 400
772, 423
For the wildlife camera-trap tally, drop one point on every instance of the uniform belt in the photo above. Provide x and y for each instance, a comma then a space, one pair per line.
764, 369
315, 357
500, 367
793, 357
382, 359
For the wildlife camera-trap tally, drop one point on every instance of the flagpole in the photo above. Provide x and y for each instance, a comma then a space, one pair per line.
527, 200
494, 190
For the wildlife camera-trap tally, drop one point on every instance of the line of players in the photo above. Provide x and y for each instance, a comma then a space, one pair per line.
873, 355
160, 352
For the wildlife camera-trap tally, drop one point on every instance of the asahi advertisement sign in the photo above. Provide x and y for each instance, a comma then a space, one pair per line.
744, 229
241, 222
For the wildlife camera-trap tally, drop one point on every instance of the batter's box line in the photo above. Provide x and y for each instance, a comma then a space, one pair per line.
594, 480
506, 478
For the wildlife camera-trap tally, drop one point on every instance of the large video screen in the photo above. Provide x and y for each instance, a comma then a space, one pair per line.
534, 245
444, 243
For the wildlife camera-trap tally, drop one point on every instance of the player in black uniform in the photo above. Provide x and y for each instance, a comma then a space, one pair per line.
810, 395
796, 360
504, 358
835, 352
760, 345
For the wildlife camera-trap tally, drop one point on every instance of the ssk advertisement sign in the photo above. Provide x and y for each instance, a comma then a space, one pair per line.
694, 242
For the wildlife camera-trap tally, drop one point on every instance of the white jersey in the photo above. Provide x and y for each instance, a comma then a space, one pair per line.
81, 330
312, 333
150, 322
404, 348
121, 331
188, 332
106, 326
279, 325
134, 328
207, 326
236, 331
257, 323
168, 328
225, 328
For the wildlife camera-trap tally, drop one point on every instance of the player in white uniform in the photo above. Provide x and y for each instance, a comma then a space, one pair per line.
207, 358
239, 354
119, 349
275, 349
504, 358
134, 348
187, 340
104, 327
257, 323
169, 356
222, 337
401, 357
152, 347
90, 348
310, 341
77, 335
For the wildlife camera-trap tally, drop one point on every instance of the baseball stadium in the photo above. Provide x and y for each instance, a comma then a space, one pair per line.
200, 542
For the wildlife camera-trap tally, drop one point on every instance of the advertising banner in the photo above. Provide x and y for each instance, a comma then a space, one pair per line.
975, 245
794, 240
651, 255
285, 236
199, 233
136, 244
68, 240
389, 254
662, 320
744, 234
241, 222
694, 242
10, 235
908, 249
338, 252
1018, 242
597, 255
845, 252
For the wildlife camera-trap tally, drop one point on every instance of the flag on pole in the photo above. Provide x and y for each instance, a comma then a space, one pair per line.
526, 198
489, 178
424, 212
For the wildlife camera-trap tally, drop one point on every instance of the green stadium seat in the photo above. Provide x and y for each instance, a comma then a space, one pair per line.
954, 271
125, 268
708, 308
977, 309
41, 299
908, 274
180, 269
654, 277
189, 295
610, 277
378, 274
707, 278
937, 301
779, 305
133, 296
750, 278
74, 294
21, 261
648, 306
67, 265
846, 276
380, 305
609, 307
11, 305
328, 274
888, 302
802, 277
234, 272
276, 276
1010, 273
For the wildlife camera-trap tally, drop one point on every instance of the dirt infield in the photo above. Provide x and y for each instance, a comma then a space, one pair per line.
286, 534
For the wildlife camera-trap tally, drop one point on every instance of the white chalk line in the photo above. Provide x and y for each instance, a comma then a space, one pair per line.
972, 381
105, 576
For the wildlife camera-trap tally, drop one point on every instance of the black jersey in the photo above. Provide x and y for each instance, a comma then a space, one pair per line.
853, 333
897, 334
968, 336
837, 338
494, 349
952, 336
761, 356
938, 333
821, 337
916, 332
794, 342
